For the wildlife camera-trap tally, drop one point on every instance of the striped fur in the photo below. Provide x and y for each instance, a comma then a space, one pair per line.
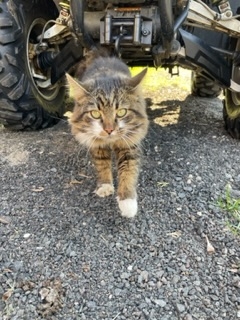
109, 118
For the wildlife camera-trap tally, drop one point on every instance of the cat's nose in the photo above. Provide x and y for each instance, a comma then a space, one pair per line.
109, 130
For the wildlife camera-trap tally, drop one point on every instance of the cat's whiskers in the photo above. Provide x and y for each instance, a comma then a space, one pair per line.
91, 144
65, 120
132, 130
126, 139
141, 144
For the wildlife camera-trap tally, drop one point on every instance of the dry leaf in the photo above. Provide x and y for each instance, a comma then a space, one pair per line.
233, 270
7, 270
4, 220
40, 189
7, 294
51, 297
175, 234
86, 267
210, 248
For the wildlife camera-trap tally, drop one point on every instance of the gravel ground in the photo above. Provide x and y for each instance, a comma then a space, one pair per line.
66, 254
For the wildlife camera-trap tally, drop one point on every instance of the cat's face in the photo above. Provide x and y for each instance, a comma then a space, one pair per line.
105, 117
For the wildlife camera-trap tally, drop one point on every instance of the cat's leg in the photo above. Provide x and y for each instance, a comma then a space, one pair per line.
102, 159
128, 169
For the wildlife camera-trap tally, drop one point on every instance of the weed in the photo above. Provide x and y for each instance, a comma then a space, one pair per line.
232, 206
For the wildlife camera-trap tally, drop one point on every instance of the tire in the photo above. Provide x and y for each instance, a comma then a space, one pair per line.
204, 87
24, 104
231, 113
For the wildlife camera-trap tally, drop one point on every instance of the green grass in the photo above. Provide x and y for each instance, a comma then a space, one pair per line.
232, 207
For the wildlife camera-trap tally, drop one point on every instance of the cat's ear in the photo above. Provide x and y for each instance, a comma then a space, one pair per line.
76, 87
136, 80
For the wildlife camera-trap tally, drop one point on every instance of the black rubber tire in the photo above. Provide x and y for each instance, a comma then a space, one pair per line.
22, 105
204, 87
231, 114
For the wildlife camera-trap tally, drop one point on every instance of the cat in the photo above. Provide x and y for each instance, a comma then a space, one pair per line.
109, 117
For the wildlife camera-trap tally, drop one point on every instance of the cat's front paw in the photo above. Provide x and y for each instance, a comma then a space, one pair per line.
104, 190
128, 207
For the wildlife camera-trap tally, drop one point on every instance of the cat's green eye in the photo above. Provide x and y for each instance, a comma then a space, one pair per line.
121, 112
95, 114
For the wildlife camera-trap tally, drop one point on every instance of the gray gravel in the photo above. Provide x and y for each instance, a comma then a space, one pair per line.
66, 254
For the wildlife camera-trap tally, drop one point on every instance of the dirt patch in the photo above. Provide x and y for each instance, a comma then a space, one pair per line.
17, 157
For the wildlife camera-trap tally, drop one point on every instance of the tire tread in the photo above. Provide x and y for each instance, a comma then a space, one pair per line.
19, 107
203, 87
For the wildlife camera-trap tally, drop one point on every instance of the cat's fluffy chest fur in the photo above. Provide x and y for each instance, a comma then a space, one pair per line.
110, 117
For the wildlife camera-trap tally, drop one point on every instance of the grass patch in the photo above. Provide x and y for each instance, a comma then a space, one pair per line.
232, 207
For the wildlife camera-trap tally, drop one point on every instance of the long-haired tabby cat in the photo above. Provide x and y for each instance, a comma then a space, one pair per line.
109, 116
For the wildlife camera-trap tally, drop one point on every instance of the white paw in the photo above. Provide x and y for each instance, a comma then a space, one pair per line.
104, 190
128, 207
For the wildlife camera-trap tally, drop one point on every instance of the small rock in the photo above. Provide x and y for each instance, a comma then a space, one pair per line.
160, 302
26, 235
18, 265
175, 279
103, 283
236, 282
72, 254
180, 307
125, 275
189, 189
148, 300
182, 195
117, 292
130, 268
151, 284
143, 277
91, 304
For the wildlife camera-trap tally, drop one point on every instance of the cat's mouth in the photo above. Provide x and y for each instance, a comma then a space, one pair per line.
108, 136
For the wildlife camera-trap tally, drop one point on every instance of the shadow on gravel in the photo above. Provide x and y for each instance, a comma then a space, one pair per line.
192, 111
191, 117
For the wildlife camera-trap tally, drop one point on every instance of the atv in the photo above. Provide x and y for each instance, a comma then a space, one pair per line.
41, 40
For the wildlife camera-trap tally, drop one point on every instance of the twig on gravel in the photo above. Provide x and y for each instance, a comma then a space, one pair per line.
75, 181
116, 316
83, 175
103, 238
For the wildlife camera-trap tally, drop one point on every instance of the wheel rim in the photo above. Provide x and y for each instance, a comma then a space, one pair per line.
40, 79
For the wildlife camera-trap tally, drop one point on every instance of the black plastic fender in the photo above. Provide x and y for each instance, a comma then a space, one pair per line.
200, 54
